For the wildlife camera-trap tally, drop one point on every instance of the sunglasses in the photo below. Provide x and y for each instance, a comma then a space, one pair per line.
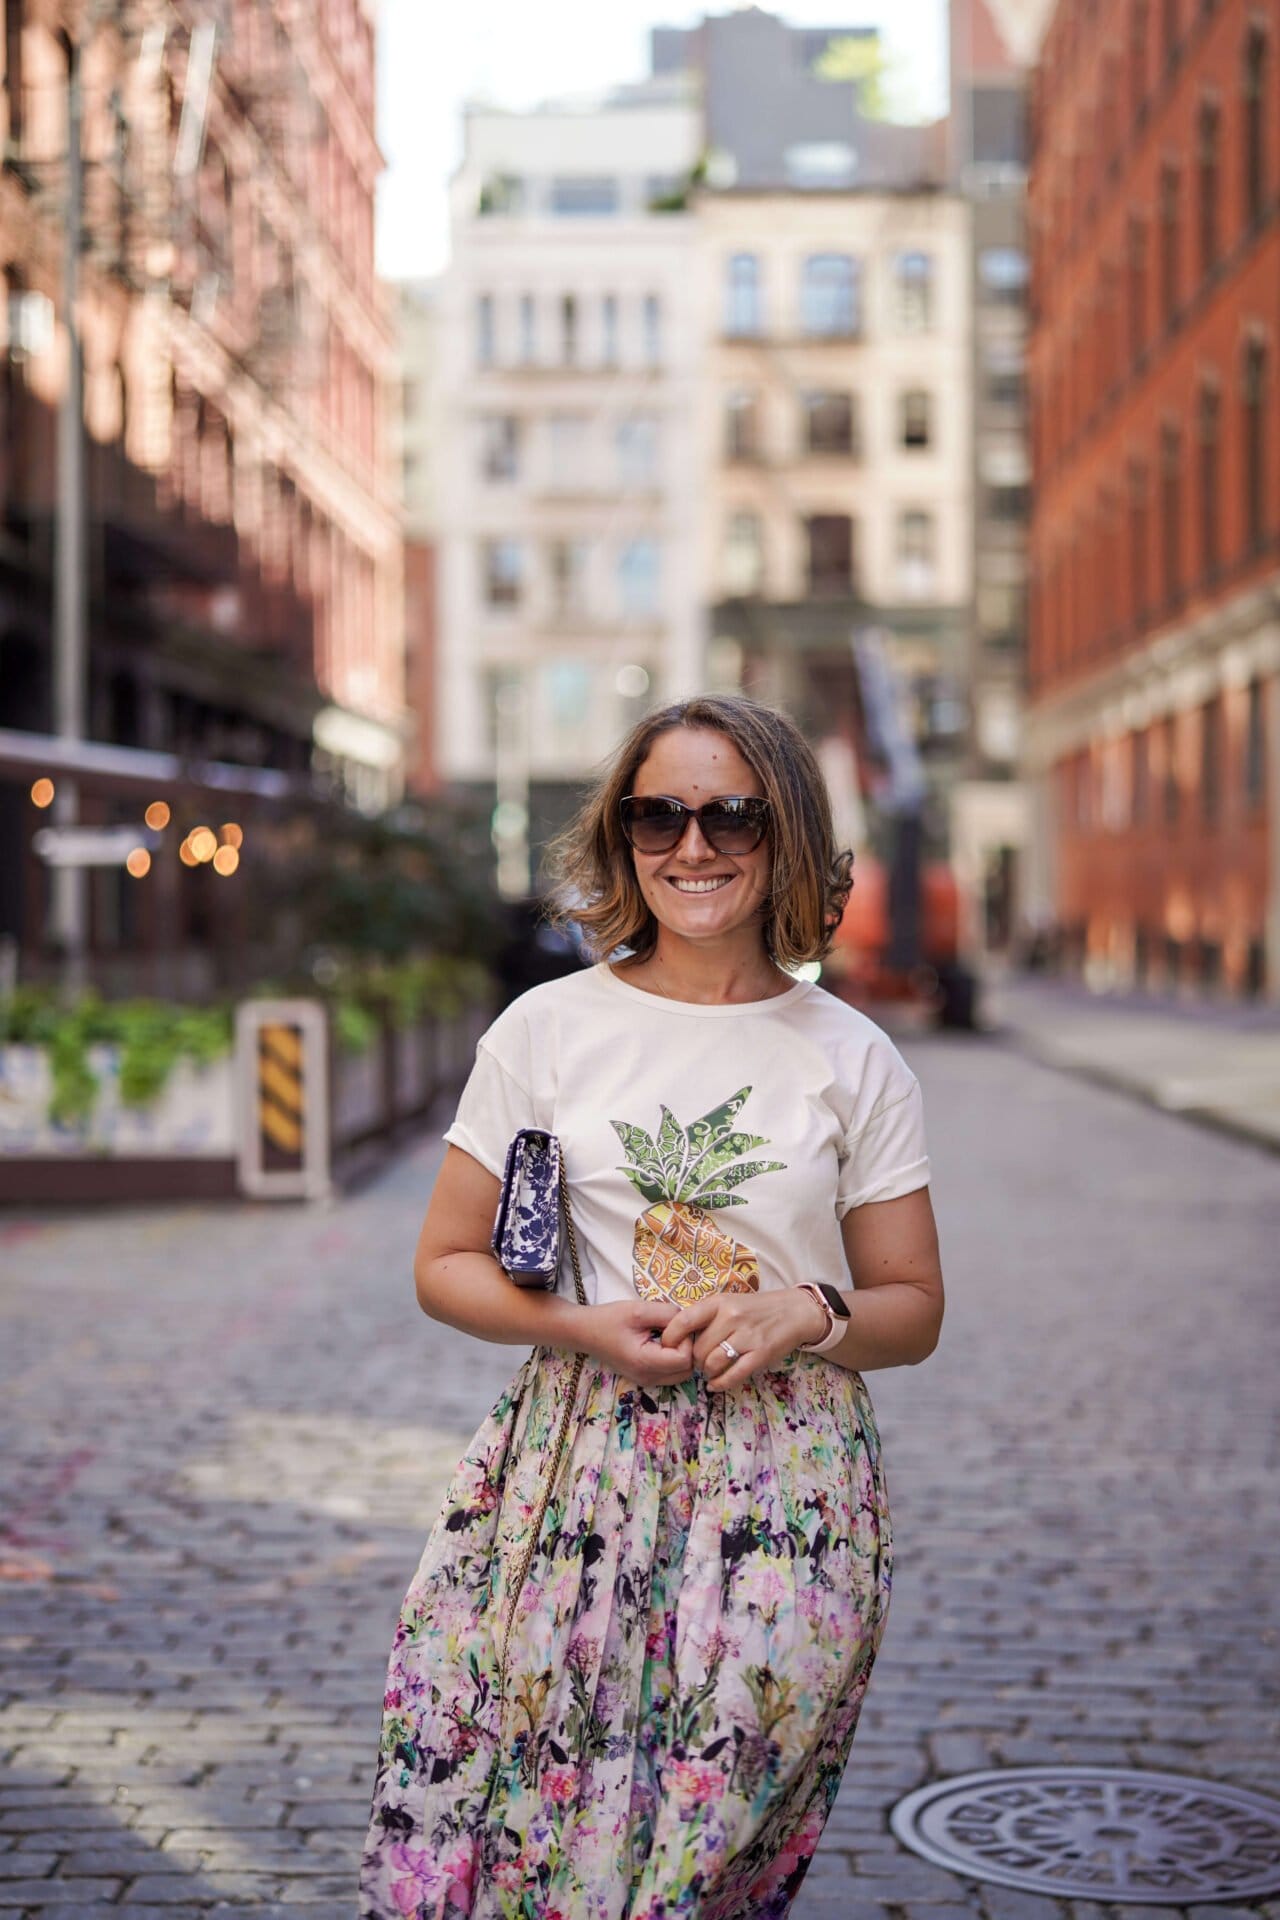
655, 823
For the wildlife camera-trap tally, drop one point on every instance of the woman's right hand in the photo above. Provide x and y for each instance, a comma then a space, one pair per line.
618, 1334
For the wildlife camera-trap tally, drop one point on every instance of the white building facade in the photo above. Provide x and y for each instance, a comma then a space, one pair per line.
836, 428
567, 512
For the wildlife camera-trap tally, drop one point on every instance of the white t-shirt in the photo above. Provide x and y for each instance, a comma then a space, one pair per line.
807, 1111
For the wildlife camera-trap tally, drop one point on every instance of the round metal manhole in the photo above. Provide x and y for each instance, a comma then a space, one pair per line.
1105, 1832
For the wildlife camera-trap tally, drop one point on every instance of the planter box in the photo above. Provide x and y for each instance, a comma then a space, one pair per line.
180, 1146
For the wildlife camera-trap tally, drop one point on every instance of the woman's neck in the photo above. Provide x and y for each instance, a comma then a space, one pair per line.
708, 976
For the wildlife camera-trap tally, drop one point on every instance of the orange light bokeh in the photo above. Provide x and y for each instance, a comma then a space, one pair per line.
42, 793
186, 856
225, 861
157, 815
232, 835
139, 862
203, 843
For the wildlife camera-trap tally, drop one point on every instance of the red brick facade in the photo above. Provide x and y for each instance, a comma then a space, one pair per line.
1155, 377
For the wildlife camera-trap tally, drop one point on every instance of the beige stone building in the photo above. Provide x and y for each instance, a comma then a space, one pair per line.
836, 436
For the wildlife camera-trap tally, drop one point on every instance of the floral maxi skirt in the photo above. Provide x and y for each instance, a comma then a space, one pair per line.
687, 1659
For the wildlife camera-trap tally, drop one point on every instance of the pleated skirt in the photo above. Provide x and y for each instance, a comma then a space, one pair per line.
685, 1658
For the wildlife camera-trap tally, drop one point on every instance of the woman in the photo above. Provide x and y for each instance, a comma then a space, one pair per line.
690, 1645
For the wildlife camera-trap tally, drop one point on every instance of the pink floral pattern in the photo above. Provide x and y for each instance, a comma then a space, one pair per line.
688, 1658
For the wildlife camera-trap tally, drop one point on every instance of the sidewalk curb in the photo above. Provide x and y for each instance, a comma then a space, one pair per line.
1235, 1124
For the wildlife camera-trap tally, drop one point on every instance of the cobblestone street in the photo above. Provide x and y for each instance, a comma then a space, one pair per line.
226, 1431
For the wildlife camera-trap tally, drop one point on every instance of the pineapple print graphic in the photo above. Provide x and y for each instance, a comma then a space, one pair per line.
680, 1252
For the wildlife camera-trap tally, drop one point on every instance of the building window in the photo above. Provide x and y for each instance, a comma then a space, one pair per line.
743, 555
638, 579
828, 423
1004, 363
567, 436
1255, 442
1008, 502
569, 560
916, 425
1137, 285
1172, 785
1171, 510
1255, 749
1210, 426
1209, 155
1138, 59
579, 194
485, 336
1139, 559
829, 538
1140, 776
609, 330
528, 329
652, 328
1169, 30
1003, 274
1255, 125
829, 294
503, 572
742, 425
637, 444
500, 440
913, 292
917, 559
742, 308
1169, 243
1210, 760
569, 329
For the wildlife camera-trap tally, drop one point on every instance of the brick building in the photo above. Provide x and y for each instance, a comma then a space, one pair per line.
244, 554
1154, 723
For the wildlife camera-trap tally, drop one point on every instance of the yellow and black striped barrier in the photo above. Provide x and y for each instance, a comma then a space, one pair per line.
282, 1053
281, 1118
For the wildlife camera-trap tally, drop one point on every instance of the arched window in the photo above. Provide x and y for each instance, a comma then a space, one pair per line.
742, 308
829, 294
913, 292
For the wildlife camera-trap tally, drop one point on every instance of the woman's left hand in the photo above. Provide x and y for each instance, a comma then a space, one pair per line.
761, 1327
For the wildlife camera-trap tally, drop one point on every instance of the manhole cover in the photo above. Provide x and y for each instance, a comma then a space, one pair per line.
1102, 1831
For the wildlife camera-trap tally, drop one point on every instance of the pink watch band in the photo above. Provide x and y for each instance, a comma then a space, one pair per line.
836, 1328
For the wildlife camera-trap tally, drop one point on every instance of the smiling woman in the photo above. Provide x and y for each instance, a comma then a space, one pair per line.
631, 1663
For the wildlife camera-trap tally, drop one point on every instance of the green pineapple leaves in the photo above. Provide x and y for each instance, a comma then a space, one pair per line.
694, 1163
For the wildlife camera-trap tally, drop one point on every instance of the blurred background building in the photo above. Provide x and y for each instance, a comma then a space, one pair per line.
235, 536
569, 354
1154, 711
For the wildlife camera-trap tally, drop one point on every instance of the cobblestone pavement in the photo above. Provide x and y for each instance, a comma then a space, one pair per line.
226, 1431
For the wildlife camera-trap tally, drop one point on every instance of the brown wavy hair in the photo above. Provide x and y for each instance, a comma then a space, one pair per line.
594, 876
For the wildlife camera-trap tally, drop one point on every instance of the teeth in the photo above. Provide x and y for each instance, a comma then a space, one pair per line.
702, 886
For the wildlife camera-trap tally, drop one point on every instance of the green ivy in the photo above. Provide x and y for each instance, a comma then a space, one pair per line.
151, 1036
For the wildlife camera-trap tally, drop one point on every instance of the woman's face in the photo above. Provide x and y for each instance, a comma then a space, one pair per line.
693, 891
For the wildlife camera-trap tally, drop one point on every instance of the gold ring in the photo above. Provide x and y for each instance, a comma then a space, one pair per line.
731, 1350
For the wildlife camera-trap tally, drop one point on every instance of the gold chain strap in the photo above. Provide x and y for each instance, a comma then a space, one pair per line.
558, 1451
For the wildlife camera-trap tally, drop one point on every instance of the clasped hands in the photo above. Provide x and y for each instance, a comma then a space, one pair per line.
657, 1344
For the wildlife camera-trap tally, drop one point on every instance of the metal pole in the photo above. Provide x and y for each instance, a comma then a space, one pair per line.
70, 584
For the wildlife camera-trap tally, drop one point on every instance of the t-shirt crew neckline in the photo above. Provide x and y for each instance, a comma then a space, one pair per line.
663, 1004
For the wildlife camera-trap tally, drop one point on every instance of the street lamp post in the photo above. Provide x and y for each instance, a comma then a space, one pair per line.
70, 585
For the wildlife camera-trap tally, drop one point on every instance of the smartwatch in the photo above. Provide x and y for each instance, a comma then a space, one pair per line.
836, 1308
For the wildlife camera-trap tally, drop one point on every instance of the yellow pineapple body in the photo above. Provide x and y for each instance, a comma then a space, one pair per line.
680, 1253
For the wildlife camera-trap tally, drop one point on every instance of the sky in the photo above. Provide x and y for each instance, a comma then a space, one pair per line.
435, 54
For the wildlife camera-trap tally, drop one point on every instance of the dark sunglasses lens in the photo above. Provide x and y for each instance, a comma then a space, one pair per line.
735, 826
652, 826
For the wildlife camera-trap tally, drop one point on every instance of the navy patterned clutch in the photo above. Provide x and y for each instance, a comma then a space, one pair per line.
526, 1230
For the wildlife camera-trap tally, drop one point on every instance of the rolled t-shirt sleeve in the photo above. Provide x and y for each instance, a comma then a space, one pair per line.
884, 1156
492, 1108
